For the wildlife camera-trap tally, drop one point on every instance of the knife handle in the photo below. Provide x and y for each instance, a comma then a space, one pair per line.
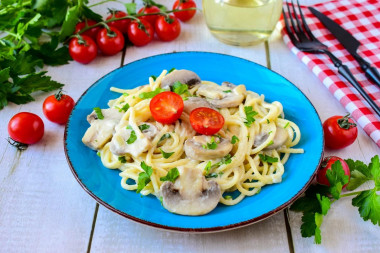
370, 72
346, 73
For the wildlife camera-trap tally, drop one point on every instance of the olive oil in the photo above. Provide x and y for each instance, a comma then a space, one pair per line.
242, 22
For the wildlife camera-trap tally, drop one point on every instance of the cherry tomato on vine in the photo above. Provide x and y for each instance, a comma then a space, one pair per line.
148, 10
121, 25
339, 132
110, 41
166, 107
83, 49
184, 4
90, 33
167, 28
140, 33
26, 128
57, 108
206, 121
326, 165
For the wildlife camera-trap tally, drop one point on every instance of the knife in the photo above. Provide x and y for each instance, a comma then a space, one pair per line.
349, 43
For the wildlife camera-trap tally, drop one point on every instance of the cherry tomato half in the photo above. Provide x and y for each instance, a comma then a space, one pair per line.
326, 165
57, 108
83, 49
166, 107
206, 120
110, 43
339, 132
90, 33
167, 28
184, 4
26, 127
121, 25
148, 10
137, 35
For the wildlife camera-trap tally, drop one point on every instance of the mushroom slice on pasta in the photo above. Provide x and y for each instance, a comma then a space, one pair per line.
183, 76
204, 147
279, 139
226, 95
191, 193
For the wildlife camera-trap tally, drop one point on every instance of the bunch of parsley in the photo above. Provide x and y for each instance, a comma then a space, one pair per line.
31, 32
318, 198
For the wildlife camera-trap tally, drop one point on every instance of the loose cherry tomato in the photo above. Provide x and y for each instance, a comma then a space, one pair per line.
206, 120
339, 132
167, 28
83, 49
90, 33
57, 108
326, 165
148, 10
166, 107
140, 33
26, 128
110, 42
184, 4
121, 25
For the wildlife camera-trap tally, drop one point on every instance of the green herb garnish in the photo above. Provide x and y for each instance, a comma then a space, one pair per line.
171, 176
268, 159
179, 88
144, 177
122, 159
166, 155
150, 94
234, 139
250, 114
124, 108
212, 144
227, 91
165, 136
132, 138
144, 127
99, 113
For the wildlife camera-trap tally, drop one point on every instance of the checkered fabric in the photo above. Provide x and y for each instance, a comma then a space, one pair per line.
362, 19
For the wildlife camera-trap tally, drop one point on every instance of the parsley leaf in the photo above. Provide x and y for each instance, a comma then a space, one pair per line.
150, 94
99, 113
165, 136
144, 127
132, 138
171, 176
212, 144
179, 88
122, 159
171, 70
336, 178
268, 159
227, 91
250, 114
234, 139
166, 155
130, 8
124, 108
153, 77
144, 177
207, 168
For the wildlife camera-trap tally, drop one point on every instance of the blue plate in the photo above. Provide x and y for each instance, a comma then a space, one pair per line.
104, 184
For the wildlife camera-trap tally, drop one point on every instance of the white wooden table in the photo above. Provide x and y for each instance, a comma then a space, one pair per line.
43, 208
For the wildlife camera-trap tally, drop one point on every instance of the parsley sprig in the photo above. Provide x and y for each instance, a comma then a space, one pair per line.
250, 114
144, 177
318, 198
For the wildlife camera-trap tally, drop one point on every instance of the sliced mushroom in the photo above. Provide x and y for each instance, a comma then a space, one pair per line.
195, 102
191, 194
121, 143
223, 96
279, 139
101, 130
196, 147
184, 76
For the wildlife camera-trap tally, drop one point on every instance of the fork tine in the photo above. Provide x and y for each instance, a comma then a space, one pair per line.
307, 29
288, 29
299, 25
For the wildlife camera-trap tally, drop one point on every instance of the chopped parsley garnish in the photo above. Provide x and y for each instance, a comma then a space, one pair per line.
227, 91
268, 121
99, 113
153, 77
166, 155
143, 127
214, 175
171, 176
132, 138
165, 136
268, 159
227, 197
250, 114
122, 159
171, 70
225, 160
98, 154
270, 143
208, 168
125, 94
151, 94
179, 88
144, 177
212, 144
234, 139
124, 108
287, 124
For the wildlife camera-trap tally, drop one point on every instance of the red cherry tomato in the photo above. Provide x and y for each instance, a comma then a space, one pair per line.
83, 50
26, 127
167, 29
137, 35
90, 33
147, 10
110, 43
326, 165
184, 4
339, 132
166, 107
206, 120
57, 108
121, 25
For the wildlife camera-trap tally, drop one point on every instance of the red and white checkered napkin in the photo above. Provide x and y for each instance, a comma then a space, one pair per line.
362, 19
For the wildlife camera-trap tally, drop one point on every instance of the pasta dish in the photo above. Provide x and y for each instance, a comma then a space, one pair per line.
193, 143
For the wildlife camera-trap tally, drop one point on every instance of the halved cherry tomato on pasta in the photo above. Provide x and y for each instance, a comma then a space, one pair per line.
166, 107
206, 120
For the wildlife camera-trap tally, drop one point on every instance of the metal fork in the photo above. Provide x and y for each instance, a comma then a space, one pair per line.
304, 40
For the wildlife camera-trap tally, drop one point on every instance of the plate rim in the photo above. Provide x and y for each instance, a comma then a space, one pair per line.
181, 229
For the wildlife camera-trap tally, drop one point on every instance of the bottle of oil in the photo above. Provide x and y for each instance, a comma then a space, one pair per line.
242, 22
